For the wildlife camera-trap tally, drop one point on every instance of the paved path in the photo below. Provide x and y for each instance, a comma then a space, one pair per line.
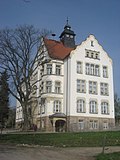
8, 152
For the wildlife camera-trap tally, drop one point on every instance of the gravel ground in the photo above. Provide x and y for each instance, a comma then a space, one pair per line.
8, 152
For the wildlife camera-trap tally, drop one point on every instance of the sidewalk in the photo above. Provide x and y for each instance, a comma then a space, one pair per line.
8, 152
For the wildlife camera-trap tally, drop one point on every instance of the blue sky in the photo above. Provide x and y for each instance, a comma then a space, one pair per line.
98, 17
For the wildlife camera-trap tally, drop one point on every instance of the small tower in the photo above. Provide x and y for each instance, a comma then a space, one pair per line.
67, 37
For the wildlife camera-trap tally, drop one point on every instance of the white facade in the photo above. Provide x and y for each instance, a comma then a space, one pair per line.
91, 90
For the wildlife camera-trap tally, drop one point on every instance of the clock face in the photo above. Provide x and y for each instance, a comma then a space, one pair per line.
71, 36
68, 27
67, 35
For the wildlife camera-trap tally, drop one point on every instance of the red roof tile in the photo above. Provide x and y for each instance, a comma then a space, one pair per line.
56, 49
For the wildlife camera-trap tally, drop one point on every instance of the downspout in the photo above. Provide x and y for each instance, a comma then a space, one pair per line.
67, 99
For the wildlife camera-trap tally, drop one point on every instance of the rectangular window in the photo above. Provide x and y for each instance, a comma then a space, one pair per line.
105, 72
81, 124
93, 124
105, 125
43, 123
57, 87
49, 68
58, 69
79, 67
48, 86
81, 86
92, 87
104, 89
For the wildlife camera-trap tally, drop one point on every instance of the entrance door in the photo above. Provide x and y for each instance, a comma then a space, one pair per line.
60, 126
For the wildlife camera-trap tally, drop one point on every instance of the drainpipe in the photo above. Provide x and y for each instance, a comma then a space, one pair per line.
67, 99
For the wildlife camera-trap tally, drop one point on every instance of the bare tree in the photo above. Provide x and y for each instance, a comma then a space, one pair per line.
18, 52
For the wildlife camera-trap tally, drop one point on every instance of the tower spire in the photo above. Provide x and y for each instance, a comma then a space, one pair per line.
67, 37
67, 20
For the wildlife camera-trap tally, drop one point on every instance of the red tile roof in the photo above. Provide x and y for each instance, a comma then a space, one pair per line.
56, 49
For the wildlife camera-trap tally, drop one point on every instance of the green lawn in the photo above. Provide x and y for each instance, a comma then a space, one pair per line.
83, 139
111, 156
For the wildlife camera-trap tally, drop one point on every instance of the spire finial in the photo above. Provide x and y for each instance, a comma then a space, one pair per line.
67, 20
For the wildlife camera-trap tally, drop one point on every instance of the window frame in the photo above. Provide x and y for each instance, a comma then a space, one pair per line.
93, 108
93, 87
79, 67
80, 106
57, 106
104, 107
104, 89
57, 87
49, 68
48, 86
81, 86
105, 71
58, 69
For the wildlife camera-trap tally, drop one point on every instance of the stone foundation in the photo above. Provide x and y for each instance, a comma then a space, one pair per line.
73, 124
90, 124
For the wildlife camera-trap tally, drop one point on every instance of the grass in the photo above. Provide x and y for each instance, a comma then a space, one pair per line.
110, 156
83, 139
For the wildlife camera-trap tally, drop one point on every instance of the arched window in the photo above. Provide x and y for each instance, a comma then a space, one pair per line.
80, 106
93, 107
57, 106
104, 108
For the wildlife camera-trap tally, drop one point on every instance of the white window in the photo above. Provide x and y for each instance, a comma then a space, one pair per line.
97, 73
104, 89
92, 69
49, 68
92, 54
93, 124
48, 86
80, 106
43, 123
105, 71
57, 106
67, 35
79, 67
87, 68
92, 87
93, 107
104, 108
58, 69
57, 87
81, 124
105, 125
81, 86
87, 53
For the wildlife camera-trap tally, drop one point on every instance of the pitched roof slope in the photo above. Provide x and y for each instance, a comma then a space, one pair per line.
56, 49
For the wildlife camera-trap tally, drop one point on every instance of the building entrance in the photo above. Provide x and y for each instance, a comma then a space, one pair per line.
60, 126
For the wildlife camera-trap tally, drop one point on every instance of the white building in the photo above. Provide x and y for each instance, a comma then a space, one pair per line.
74, 85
